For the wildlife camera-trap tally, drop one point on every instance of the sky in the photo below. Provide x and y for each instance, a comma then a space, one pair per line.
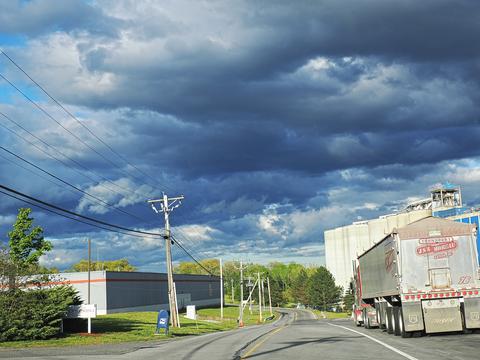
276, 120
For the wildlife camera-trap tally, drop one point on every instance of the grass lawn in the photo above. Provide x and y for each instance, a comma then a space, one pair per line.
331, 315
230, 315
140, 326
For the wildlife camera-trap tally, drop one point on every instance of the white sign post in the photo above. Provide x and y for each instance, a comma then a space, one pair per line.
83, 312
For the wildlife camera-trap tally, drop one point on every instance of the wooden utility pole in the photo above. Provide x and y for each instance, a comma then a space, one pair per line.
167, 205
269, 296
240, 322
221, 290
259, 299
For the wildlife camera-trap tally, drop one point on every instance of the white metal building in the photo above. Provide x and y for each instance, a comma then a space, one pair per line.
115, 292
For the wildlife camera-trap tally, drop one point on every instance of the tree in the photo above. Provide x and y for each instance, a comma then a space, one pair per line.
112, 265
38, 312
26, 245
321, 289
276, 292
299, 289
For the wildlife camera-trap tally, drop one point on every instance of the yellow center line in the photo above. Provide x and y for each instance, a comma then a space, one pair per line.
257, 345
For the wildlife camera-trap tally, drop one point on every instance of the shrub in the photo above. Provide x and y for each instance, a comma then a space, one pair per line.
34, 314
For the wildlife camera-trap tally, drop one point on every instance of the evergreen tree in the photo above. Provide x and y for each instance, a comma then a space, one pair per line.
321, 289
299, 287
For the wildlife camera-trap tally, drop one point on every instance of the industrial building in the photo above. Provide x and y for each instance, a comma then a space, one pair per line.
115, 292
345, 243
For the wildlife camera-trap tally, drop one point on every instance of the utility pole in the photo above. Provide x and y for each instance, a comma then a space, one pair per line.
241, 295
221, 290
167, 205
269, 296
259, 299
240, 316
233, 292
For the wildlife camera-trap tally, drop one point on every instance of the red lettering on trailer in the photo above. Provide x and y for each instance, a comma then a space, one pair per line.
389, 259
443, 247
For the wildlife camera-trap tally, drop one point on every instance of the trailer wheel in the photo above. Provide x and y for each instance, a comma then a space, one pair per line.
401, 324
388, 320
381, 318
395, 323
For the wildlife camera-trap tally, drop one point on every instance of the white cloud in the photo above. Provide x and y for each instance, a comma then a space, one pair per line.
126, 193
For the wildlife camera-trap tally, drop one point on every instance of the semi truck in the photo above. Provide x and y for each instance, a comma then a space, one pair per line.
422, 278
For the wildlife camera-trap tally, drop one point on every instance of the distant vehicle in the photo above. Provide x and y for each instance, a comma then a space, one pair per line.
423, 277
300, 306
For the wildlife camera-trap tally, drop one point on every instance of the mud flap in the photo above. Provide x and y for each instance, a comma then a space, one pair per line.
472, 313
412, 316
442, 315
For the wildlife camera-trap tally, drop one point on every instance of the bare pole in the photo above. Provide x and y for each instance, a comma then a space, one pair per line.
176, 304
259, 299
167, 205
269, 296
233, 292
263, 293
221, 290
89, 265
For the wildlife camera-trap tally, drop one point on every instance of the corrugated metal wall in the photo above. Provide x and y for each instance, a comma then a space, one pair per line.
136, 291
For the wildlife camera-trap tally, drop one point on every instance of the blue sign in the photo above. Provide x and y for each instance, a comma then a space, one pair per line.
162, 321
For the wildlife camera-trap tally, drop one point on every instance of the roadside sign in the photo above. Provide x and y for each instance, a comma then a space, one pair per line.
191, 312
82, 311
162, 321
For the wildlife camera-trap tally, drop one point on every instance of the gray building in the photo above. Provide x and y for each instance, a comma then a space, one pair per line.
115, 292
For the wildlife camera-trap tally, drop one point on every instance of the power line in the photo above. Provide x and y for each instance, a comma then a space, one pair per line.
63, 127
56, 207
62, 154
104, 203
190, 255
121, 157
69, 217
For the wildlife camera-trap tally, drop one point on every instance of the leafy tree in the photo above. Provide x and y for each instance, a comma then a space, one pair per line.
25, 246
187, 267
113, 265
35, 313
26, 243
321, 289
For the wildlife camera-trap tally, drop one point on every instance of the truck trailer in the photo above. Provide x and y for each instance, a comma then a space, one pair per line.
422, 278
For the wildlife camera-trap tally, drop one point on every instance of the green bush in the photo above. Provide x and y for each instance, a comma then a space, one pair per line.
34, 314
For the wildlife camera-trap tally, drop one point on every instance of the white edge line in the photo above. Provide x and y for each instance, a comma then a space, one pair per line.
377, 341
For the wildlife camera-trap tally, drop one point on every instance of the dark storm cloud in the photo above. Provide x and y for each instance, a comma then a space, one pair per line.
38, 17
276, 120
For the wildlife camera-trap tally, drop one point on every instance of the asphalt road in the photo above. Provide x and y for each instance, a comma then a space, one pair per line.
298, 335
